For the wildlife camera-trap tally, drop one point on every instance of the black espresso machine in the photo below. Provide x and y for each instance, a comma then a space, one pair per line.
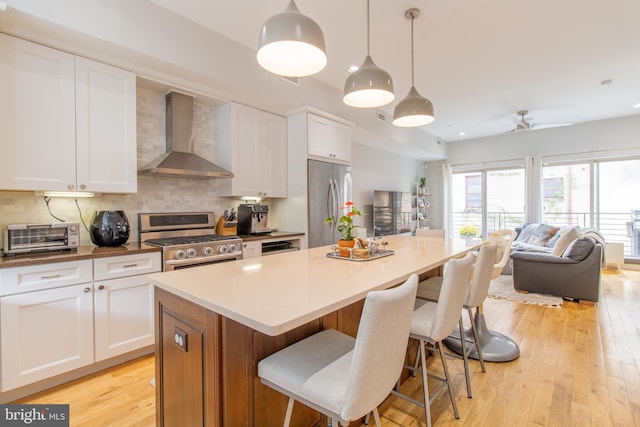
253, 219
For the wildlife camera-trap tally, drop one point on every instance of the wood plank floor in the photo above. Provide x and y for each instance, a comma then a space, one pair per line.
579, 366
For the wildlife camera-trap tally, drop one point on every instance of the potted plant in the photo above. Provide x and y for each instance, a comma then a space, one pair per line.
469, 231
345, 227
422, 185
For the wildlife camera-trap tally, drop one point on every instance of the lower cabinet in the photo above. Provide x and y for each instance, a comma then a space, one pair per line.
123, 316
62, 326
45, 333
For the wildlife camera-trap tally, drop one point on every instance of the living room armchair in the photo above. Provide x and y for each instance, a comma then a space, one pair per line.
575, 274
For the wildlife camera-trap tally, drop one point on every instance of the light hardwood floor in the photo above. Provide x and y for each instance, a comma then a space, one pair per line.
579, 366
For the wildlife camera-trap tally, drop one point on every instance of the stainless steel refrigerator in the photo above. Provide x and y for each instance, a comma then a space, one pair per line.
329, 187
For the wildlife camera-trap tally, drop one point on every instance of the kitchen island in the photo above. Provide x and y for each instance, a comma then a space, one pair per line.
215, 323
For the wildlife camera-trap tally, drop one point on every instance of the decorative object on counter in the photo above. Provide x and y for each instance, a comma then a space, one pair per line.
363, 250
291, 44
109, 228
369, 86
345, 227
469, 231
379, 254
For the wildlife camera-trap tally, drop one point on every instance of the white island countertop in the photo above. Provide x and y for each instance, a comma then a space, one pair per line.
277, 293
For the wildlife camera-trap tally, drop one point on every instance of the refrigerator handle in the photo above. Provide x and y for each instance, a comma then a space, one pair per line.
330, 200
336, 201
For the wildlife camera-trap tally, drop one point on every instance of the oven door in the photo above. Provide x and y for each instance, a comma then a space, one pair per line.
175, 264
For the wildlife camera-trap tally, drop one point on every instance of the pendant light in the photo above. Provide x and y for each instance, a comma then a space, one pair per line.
368, 86
291, 44
414, 110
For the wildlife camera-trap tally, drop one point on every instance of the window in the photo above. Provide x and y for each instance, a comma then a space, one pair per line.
502, 207
567, 194
553, 189
473, 192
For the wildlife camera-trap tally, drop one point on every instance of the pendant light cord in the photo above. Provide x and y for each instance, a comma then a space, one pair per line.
412, 66
368, 34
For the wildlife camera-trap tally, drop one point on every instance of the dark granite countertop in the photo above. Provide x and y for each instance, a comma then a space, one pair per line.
272, 235
83, 252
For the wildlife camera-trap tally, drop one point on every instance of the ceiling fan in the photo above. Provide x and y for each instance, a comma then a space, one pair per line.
524, 123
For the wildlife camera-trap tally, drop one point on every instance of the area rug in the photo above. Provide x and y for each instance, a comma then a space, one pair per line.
502, 288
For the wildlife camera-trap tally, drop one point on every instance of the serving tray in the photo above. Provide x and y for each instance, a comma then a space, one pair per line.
379, 254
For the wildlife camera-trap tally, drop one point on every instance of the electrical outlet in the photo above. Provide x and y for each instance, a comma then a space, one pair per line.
180, 338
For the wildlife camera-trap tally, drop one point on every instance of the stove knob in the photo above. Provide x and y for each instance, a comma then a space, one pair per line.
233, 247
180, 254
208, 251
191, 253
223, 249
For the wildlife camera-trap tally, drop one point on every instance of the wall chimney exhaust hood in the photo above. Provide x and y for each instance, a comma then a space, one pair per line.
179, 159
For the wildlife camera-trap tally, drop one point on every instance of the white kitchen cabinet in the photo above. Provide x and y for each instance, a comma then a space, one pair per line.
66, 123
328, 138
61, 316
105, 128
45, 333
123, 303
253, 145
39, 277
123, 314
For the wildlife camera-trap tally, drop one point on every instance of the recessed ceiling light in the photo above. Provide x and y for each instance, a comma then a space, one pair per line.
352, 68
462, 134
637, 105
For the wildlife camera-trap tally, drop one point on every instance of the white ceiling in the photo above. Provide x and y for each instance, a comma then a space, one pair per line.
478, 61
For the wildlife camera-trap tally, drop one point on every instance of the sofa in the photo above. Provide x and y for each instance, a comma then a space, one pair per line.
549, 239
563, 261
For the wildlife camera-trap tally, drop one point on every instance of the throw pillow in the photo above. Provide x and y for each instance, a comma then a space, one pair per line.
543, 233
579, 249
551, 243
526, 233
564, 240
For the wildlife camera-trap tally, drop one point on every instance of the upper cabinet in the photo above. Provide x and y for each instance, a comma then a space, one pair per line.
66, 123
253, 145
328, 138
317, 135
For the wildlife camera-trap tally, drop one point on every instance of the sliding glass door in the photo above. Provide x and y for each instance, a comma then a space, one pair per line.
603, 194
486, 201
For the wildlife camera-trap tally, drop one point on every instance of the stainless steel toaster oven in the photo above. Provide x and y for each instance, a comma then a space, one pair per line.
34, 238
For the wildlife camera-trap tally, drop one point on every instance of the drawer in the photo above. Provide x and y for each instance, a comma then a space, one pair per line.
45, 276
127, 265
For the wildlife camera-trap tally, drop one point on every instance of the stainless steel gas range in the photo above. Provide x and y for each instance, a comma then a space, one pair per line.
187, 239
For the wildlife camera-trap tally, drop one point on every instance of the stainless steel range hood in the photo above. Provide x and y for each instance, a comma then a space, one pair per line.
180, 160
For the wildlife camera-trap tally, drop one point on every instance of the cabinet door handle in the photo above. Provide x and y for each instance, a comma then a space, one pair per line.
130, 266
86, 290
101, 287
70, 187
82, 186
54, 276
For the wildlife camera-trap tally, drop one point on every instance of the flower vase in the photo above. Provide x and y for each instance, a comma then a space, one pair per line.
344, 246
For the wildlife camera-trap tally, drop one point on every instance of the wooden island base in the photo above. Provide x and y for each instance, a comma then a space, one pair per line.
212, 379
